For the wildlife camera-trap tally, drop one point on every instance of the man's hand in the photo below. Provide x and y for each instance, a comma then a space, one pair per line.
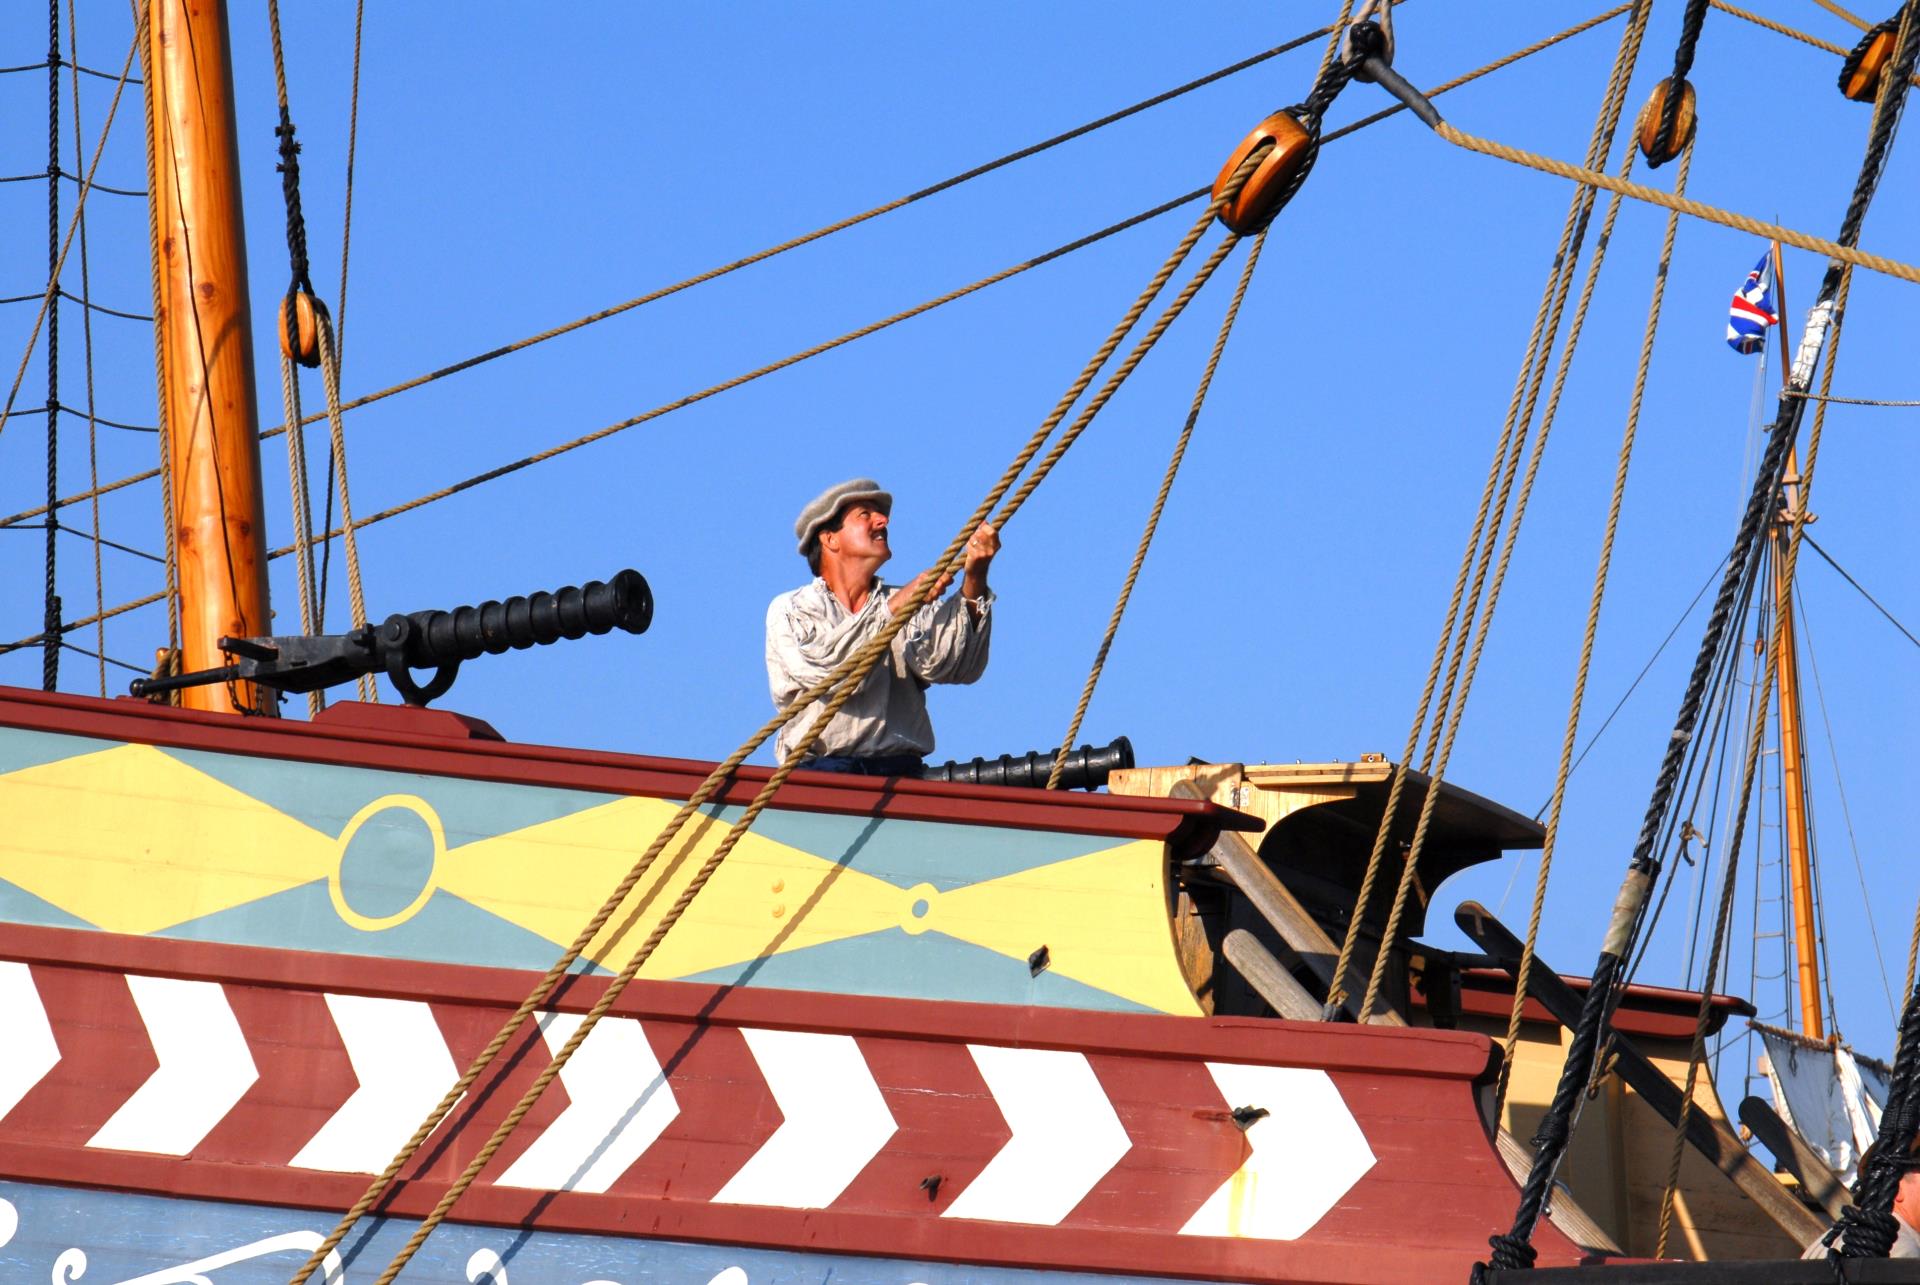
904, 594
981, 548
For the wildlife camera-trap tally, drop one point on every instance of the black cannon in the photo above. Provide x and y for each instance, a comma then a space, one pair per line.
437, 640
1086, 768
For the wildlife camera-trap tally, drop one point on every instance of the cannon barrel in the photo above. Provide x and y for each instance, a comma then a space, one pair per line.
1086, 768
439, 637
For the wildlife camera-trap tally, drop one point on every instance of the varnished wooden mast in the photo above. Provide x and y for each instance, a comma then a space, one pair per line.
1793, 783
206, 339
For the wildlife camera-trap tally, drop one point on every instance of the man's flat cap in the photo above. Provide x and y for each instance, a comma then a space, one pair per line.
825, 506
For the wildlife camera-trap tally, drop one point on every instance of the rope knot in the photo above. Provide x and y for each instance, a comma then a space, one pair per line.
1511, 1254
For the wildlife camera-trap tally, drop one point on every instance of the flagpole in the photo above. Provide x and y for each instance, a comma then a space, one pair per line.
1780, 282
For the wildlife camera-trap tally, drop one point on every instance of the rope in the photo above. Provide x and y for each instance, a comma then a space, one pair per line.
160, 382
1712, 214
874, 651
1153, 518
1861, 589
1780, 28
1552, 298
86, 331
302, 514
337, 468
1483, 625
50, 608
1855, 401
84, 621
1756, 732
1486, 70
588, 439
854, 220
860, 662
80, 205
1512, 1249
371, 691
1584, 666
1842, 14
36, 66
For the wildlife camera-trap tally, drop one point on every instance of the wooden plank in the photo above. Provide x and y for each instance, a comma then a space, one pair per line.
1565, 1212
1816, 1179
1710, 1136
1277, 905
1264, 973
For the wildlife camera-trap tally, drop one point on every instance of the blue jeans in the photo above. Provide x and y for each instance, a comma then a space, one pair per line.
890, 765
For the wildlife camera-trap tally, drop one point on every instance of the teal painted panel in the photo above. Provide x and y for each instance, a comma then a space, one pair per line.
326, 797
895, 963
18, 906
23, 748
446, 931
941, 853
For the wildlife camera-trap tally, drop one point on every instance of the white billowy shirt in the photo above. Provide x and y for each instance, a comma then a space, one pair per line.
809, 632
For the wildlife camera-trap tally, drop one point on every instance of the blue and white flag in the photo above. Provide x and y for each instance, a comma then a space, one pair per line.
1753, 309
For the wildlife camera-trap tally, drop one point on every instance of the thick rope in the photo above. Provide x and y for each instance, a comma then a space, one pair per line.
1512, 1250
1584, 666
50, 604
1454, 715
167, 543
1552, 298
1843, 15
724, 770
873, 653
1756, 732
1652, 196
330, 376
1153, 518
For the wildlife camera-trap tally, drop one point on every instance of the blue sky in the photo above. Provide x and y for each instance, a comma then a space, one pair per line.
521, 165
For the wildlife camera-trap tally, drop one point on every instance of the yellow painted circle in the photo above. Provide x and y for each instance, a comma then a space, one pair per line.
916, 908
406, 802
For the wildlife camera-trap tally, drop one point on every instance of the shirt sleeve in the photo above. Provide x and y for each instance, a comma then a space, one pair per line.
945, 644
803, 648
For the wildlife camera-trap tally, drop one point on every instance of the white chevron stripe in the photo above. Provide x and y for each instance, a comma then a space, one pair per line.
1065, 1137
836, 1121
1307, 1152
28, 1052
403, 1065
205, 1068
620, 1106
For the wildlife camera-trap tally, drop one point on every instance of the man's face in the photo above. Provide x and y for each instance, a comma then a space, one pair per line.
1906, 1199
862, 535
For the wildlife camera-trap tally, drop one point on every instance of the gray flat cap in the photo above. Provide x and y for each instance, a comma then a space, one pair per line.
825, 506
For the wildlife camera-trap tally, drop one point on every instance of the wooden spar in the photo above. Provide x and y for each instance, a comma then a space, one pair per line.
206, 343
1793, 780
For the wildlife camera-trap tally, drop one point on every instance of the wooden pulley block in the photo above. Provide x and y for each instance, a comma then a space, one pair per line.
1860, 74
300, 340
1647, 128
1266, 189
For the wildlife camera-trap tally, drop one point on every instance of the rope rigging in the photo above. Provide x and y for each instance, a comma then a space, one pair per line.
834, 689
1457, 82
50, 618
1513, 1250
1505, 460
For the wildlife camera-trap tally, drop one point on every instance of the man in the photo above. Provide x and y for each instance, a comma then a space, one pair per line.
883, 729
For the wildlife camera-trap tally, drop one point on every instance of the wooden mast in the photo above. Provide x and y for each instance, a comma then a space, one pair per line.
1786, 667
206, 342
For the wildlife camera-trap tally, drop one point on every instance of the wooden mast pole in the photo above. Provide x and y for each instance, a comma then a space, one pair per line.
205, 329
1793, 784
